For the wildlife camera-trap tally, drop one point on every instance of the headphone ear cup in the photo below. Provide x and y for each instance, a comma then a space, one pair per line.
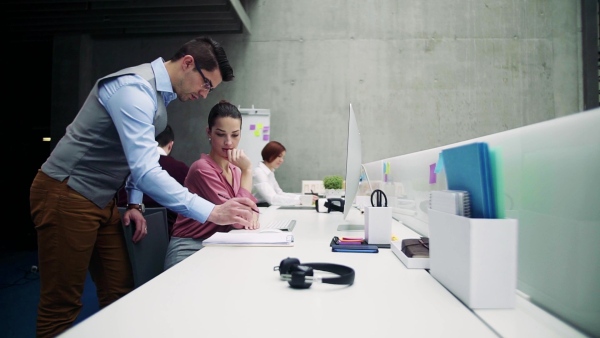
286, 265
298, 275
301, 276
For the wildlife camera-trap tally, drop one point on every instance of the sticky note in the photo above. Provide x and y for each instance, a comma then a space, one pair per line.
432, 174
252, 127
265, 137
439, 165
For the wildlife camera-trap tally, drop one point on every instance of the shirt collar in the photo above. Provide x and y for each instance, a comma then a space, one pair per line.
264, 167
163, 81
214, 164
161, 151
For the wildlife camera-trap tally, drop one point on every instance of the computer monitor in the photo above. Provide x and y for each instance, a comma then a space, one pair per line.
353, 169
353, 162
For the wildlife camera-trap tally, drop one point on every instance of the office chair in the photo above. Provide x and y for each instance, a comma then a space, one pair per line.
148, 256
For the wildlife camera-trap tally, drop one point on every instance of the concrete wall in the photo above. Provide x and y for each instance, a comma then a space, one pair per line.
420, 74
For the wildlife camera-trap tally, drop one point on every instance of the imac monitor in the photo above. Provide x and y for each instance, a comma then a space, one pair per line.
353, 169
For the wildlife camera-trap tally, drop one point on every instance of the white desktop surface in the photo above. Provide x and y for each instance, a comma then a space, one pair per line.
234, 292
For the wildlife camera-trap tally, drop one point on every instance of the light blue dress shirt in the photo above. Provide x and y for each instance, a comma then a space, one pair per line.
131, 103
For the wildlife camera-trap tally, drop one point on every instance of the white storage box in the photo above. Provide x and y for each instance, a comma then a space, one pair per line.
475, 258
410, 263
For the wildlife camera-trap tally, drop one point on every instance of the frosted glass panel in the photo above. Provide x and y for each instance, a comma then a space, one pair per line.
549, 180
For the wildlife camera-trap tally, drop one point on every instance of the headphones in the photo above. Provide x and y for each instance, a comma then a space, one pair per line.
334, 204
301, 276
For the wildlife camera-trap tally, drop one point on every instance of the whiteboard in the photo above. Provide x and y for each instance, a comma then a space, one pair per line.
256, 132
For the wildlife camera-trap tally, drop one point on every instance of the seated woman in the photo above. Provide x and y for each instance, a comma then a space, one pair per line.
223, 174
266, 189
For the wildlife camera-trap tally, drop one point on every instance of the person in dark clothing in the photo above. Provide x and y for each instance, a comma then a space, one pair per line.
177, 169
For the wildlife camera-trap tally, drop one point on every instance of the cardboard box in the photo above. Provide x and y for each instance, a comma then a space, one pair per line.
475, 258
410, 263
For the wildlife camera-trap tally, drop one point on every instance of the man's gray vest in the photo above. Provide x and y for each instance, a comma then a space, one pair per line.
90, 154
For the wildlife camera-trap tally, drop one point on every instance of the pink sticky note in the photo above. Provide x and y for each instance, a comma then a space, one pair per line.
252, 127
432, 174
265, 137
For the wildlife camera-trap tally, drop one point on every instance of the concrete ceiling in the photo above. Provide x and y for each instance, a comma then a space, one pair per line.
42, 19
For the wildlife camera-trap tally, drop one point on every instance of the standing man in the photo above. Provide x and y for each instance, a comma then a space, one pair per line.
72, 197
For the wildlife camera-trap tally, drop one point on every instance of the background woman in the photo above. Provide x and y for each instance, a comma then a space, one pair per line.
266, 189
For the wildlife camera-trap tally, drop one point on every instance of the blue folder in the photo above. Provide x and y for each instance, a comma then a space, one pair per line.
468, 167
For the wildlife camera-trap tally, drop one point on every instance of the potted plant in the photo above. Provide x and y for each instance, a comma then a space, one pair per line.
333, 185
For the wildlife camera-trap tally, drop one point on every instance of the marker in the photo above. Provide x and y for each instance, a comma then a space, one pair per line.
225, 197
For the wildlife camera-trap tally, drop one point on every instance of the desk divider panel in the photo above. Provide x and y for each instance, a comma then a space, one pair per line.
548, 176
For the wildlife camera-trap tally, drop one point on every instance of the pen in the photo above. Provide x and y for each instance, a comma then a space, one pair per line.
225, 197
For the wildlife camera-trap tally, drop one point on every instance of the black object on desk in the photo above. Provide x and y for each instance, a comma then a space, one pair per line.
416, 247
334, 204
380, 197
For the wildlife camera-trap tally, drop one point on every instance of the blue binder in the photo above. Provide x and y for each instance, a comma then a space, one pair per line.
468, 168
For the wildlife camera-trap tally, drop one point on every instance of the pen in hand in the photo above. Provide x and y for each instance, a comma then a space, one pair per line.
225, 197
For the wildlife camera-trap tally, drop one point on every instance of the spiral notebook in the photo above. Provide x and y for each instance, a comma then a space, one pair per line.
468, 168
454, 202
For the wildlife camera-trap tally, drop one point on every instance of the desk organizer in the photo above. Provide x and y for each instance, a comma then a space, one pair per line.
409, 262
475, 258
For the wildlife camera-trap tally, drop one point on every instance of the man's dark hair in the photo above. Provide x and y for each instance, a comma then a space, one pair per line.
207, 54
165, 136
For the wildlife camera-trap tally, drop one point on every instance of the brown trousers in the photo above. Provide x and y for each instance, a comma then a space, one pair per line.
74, 235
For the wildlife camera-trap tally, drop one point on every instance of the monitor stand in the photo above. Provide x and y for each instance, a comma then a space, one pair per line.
351, 227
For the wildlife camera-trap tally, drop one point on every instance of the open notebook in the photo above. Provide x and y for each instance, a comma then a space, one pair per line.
251, 238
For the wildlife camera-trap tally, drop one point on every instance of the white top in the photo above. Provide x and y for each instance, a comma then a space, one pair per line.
266, 189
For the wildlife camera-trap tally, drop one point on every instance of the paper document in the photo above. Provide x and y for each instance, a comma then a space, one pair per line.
251, 238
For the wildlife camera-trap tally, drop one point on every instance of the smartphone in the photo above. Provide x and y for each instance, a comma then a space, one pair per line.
355, 248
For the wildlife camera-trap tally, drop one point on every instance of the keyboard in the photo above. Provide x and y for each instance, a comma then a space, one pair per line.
297, 207
281, 224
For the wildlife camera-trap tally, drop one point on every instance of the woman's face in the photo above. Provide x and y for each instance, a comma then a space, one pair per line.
278, 160
224, 135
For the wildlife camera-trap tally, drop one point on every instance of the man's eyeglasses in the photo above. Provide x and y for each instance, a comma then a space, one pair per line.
207, 83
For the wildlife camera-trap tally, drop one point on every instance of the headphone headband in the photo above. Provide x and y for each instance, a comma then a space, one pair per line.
301, 276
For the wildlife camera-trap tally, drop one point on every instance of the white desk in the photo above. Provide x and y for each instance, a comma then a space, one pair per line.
234, 292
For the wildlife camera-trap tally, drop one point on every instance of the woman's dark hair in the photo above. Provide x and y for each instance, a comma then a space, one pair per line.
223, 109
272, 150
207, 54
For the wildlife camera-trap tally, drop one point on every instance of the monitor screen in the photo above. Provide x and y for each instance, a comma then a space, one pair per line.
353, 162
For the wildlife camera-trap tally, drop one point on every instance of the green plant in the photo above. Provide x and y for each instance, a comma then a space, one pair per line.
333, 182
